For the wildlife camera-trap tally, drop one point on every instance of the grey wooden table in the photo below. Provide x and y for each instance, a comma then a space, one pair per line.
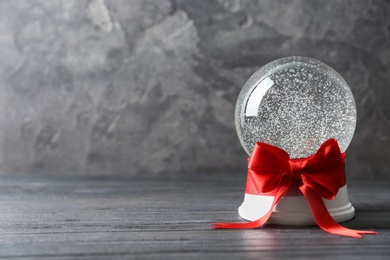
113, 218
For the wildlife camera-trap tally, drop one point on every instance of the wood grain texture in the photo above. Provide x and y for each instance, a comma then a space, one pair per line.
92, 218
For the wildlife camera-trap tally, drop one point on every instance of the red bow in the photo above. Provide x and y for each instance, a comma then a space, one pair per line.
271, 171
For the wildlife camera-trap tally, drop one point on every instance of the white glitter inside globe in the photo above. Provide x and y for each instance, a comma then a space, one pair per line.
296, 104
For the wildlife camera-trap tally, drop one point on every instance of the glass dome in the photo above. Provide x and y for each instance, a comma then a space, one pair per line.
295, 103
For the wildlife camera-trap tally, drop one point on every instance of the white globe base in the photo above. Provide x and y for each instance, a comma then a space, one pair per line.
293, 208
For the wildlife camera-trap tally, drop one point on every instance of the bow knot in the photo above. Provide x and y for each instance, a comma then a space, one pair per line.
296, 168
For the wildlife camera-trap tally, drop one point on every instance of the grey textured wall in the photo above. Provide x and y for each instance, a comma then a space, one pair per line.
147, 87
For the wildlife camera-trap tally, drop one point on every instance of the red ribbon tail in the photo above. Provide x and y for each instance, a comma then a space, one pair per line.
259, 222
243, 225
324, 220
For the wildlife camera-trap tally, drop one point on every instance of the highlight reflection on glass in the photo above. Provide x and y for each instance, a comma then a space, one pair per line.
253, 104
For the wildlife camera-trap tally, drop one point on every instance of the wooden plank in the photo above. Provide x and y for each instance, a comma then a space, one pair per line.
66, 218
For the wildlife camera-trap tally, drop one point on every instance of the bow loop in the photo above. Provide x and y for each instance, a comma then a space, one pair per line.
324, 170
268, 155
273, 163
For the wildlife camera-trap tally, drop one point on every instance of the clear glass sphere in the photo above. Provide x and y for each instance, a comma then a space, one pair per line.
295, 103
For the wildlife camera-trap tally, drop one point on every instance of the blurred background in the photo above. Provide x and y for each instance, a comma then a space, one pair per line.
148, 87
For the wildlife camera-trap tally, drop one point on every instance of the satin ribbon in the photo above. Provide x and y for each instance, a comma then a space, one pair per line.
321, 175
